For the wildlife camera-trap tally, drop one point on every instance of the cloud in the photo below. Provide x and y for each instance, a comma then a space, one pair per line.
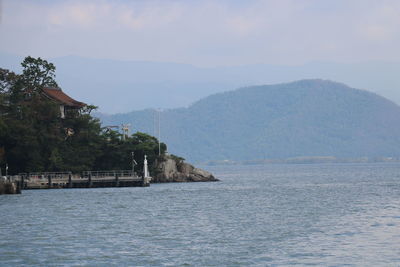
1, 10
82, 15
382, 24
205, 32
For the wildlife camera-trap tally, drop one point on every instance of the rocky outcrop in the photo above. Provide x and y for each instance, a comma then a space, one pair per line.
173, 169
7, 187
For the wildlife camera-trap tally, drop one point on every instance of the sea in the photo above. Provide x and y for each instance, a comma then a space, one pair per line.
257, 215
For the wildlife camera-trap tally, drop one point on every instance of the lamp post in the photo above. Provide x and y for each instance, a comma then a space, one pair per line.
133, 163
159, 132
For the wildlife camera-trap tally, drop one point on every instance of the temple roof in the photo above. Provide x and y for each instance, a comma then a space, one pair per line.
58, 95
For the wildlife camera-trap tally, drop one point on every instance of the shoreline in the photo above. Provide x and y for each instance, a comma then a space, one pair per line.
300, 160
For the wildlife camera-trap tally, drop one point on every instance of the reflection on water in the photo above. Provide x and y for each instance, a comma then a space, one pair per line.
256, 216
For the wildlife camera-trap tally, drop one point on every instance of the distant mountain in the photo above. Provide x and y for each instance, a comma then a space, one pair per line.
303, 118
123, 86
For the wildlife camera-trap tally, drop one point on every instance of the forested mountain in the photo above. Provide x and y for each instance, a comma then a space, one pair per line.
303, 118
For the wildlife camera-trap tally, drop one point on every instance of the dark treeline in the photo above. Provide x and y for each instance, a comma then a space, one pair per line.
34, 138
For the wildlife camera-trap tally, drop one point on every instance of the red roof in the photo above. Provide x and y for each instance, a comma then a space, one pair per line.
58, 95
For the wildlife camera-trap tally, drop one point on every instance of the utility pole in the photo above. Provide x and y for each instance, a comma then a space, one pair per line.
155, 122
159, 134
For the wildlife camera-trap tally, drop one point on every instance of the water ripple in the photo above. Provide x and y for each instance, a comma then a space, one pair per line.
274, 215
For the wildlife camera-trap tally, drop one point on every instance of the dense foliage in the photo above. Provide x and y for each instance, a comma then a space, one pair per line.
34, 138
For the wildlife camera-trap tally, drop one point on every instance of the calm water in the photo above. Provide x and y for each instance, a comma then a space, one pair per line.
276, 215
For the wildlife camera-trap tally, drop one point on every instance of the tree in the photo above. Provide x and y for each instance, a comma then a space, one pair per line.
29, 124
33, 137
116, 153
38, 73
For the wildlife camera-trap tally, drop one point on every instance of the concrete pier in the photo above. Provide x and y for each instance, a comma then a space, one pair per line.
88, 179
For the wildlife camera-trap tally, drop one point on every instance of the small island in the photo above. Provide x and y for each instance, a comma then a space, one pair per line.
44, 131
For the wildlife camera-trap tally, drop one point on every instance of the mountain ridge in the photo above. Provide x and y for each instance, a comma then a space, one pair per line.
136, 85
311, 117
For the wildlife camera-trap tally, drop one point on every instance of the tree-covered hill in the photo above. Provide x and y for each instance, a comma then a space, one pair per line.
303, 118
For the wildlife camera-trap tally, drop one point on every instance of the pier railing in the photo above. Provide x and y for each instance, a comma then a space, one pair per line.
46, 175
112, 173
86, 179
65, 175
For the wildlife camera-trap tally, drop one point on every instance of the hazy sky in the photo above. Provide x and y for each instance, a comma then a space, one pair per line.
204, 33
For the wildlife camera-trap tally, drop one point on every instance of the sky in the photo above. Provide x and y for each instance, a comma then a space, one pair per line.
204, 33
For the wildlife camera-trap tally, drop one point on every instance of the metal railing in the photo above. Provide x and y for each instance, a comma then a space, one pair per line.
65, 175
46, 175
112, 173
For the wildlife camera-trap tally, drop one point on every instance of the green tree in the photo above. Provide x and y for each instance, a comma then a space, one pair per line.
38, 73
117, 152
33, 137
29, 122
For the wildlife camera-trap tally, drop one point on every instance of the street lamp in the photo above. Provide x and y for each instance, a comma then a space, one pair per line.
133, 163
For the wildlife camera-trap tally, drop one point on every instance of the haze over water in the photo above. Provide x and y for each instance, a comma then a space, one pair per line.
256, 216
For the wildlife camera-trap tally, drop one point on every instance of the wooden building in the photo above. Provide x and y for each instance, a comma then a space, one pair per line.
66, 102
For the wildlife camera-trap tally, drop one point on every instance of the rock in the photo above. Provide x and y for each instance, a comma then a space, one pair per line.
173, 169
7, 187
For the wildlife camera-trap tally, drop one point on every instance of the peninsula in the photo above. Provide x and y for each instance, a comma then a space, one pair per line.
44, 130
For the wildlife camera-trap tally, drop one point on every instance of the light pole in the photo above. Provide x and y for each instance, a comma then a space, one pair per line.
159, 134
133, 163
